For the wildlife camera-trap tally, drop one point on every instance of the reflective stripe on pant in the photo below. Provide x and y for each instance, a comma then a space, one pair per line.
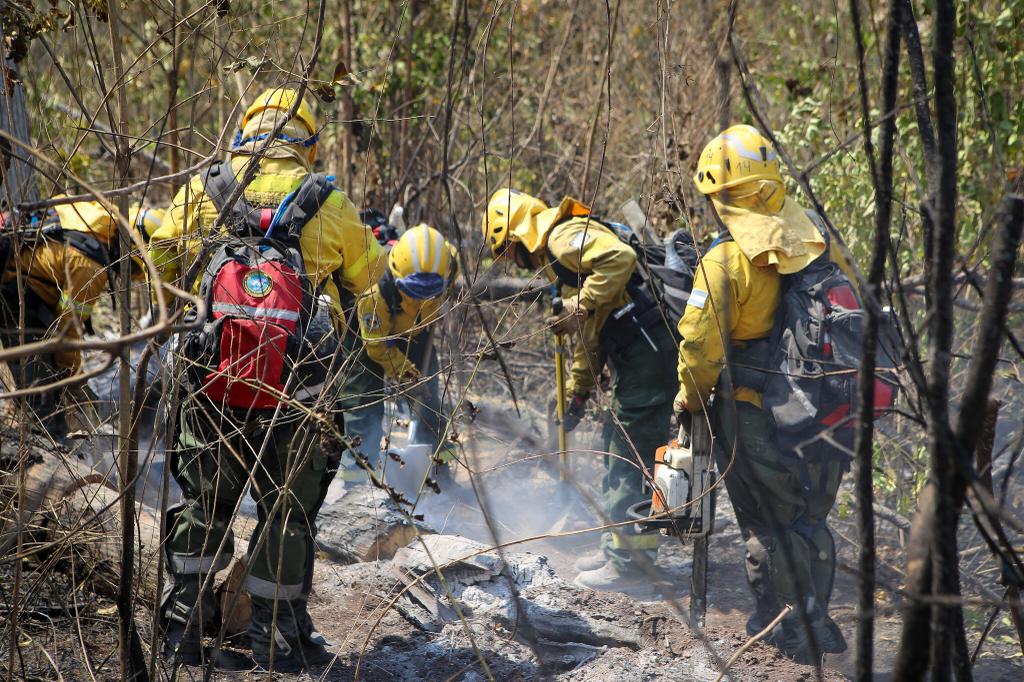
642, 403
790, 551
288, 473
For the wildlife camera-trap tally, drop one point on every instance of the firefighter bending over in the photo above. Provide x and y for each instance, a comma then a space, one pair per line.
395, 317
613, 319
67, 257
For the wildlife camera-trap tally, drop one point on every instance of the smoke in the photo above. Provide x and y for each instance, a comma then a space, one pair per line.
516, 479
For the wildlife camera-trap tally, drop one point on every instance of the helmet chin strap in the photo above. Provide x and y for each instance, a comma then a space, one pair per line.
521, 255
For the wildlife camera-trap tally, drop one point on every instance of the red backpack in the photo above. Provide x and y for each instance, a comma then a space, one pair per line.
253, 351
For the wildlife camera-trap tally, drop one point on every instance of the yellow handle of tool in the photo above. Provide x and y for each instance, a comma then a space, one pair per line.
563, 441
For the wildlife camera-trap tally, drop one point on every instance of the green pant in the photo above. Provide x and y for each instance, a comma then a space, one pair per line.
639, 423
217, 454
781, 503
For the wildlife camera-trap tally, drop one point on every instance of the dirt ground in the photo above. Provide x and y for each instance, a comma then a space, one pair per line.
67, 633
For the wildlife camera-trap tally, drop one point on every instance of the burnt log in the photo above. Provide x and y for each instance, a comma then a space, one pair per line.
67, 510
365, 525
500, 288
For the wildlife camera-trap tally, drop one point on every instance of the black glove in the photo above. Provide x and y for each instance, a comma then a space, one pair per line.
684, 419
574, 411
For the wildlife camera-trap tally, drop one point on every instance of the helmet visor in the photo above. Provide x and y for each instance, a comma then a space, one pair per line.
421, 286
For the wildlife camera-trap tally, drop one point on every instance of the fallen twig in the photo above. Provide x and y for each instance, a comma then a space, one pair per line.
750, 642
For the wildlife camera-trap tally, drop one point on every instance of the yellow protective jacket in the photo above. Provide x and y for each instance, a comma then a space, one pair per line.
333, 240
733, 302
66, 280
590, 248
381, 327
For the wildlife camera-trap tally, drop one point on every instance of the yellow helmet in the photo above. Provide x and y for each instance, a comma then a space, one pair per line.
506, 209
145, 220
422, 263
740, 154
283, 99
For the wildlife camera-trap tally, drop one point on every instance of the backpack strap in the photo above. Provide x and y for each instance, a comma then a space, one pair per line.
244, 219
389, 292
91, 247
819, 223
299, 207
565, 275
347, 300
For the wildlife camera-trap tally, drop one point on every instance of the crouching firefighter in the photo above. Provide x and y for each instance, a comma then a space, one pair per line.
616, 321
769, 293
395, 318
64, 259
255, 370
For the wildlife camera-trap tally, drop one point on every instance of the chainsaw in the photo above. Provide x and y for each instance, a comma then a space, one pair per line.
682, 504
681, 501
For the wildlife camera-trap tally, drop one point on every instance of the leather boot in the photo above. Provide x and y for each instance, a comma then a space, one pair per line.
636, 583
797, 643
830, 637
180, 603
183, 645
591, 562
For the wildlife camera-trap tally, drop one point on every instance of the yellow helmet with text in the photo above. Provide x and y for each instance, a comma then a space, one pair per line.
739, 155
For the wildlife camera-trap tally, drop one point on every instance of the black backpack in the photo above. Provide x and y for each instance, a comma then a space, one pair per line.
267, 337
667, 267
658, 289
811, 358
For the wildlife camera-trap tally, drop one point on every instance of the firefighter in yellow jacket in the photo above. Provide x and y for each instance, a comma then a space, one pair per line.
65, 258
730, 314
395, 317
615, 321
217, 455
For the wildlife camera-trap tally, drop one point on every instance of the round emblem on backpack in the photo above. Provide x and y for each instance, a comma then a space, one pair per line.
257, 283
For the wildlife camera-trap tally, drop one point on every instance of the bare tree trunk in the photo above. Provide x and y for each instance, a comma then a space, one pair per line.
347, 105
19, 182
881, 176
133, 663
947, 620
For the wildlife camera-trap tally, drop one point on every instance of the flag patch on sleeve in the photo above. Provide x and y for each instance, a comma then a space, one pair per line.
581, 239
697, 298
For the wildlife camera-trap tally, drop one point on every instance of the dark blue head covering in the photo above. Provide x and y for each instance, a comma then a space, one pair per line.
421, 286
